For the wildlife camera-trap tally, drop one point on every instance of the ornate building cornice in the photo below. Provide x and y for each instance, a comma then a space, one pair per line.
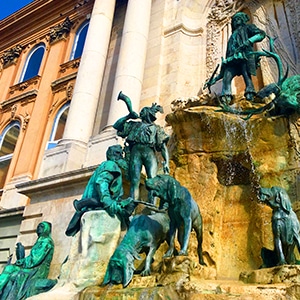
11, 55
28, 96
31, 83
60, 31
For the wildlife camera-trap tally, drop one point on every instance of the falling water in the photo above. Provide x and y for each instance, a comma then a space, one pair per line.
239, 131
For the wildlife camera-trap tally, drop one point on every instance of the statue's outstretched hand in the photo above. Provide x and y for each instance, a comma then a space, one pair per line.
113, 209
128, 206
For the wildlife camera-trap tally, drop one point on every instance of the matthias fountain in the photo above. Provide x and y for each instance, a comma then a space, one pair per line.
216, 212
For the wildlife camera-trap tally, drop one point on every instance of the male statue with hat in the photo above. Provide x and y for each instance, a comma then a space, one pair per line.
240, 57
143, 139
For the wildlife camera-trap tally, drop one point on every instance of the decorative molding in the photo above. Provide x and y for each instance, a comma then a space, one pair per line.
60, 31
69, 90
9, 212
72, 64
65, 84
24, 85
183, 29
81, 3
20, 98
30, 30
25, 120
11, 55
61, 182
62, 83
13, 111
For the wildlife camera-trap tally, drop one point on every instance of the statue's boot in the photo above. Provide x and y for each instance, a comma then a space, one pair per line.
225, 100
84, 204
74, 225
81, 207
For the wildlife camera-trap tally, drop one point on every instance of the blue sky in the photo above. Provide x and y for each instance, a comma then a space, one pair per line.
7, 7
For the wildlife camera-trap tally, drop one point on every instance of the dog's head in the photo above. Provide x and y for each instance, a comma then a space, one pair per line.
276, 198
120, 268
164, 186
157, 185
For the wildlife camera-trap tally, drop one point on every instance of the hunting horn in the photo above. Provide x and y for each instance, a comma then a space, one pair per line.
127, 101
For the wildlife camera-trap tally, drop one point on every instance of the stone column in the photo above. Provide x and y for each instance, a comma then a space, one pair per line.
131, 62
70, 154
84, 103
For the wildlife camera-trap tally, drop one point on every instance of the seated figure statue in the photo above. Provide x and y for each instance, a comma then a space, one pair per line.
104, 191
28, 276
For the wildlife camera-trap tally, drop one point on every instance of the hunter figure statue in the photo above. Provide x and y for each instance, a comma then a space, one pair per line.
240, 58
104, 191
143, 139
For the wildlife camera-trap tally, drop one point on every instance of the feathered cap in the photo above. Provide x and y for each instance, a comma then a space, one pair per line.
150, 112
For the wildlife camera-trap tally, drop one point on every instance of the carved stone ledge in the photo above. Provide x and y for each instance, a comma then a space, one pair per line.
279, 274
62, 83
66, 183
60, 31
11, 56
183, 29
8, 212
22, 86
187, 102
72, 64
20, 98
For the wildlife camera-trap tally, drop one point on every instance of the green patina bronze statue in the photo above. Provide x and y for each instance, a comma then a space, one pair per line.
104, 191
145, 234
183, 211
240, 59
143, 139
285, 227
28, 276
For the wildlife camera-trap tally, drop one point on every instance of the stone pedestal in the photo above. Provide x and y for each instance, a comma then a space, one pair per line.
279, 274
90, 252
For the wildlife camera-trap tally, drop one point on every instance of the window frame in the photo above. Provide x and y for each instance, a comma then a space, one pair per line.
2, 137
28, 59
7, 158
51, 142
76, 39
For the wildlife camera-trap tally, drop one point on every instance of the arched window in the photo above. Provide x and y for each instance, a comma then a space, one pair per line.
58, 126
79, 41
33, 63
8, 141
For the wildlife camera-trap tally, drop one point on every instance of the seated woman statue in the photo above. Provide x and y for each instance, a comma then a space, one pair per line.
28, 276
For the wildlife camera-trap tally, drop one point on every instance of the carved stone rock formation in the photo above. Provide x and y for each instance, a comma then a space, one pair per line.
222, 160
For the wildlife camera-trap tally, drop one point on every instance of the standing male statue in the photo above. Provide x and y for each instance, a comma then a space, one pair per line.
240, 58
144, 139
104, 191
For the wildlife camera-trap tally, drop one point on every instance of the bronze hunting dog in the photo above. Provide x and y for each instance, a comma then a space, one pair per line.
145, 234
285, 224
183, 211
